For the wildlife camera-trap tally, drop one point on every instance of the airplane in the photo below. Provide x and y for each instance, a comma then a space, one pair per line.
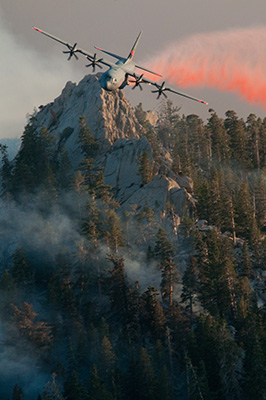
118, 75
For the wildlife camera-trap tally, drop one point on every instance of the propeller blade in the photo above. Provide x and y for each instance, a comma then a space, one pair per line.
137, 81
72, 51
94, 62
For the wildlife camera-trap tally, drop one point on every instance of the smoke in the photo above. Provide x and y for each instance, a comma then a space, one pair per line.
232, 60
27, 79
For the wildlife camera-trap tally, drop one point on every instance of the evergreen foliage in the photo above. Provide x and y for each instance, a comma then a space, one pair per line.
192, 325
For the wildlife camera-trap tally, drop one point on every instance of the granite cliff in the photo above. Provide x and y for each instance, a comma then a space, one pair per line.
113, 123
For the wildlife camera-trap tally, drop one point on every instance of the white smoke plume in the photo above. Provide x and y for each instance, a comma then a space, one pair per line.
27, 79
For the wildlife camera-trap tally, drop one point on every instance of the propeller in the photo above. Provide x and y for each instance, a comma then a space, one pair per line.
94, 62
72, 51
137, 81
160, 90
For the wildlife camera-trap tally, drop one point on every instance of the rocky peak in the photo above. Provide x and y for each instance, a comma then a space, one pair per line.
109, 115
112, 121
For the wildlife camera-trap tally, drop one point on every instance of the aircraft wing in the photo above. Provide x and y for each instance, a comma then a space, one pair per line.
72, 50
161, 88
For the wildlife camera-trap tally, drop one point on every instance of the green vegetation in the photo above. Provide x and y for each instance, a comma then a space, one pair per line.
69, 308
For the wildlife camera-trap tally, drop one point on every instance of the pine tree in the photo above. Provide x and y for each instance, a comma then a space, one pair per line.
65, 171
254, 140
246, 263
22, 270
52, 391
114, 233
163, 248
6, 172
118, 288
163, 388
217, 275
36, 333
153, 318
259, 191
8, 292
231, 364
238, 141
97, 387
164, 253
255, 369
145, 167
190, 286
17, 393
244, 211
169, 278
89, 146
74, 389
219, 138
198, 141
145, 375
201, 187
107, 356
182, 148
214, 216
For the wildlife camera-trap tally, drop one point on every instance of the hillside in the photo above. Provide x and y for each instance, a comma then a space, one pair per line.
133, 253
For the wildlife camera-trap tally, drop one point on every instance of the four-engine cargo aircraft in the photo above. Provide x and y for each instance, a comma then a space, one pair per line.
118, 75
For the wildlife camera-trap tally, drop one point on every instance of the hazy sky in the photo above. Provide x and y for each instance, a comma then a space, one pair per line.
33, 69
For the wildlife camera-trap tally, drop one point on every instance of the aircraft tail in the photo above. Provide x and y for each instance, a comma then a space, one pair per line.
132, 52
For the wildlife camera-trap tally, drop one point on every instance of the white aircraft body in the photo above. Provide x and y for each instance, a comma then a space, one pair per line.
118, 75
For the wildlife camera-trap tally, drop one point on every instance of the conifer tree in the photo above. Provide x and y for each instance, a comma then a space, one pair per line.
246, 263
215, 199
65, 171
199, 141
219, 138
145, 167
118, 288
8, 291
169, 278
17, 393
190, 286
164, 252
107, 356
52, 391
114, 233
36, 333
74, 389
255, 369
145, 375
22, 270
153, 318
244, 211
6, 172
182, 148
97, 387
238, 138
254, 140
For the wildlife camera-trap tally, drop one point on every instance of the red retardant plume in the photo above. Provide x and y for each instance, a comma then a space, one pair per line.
233, 60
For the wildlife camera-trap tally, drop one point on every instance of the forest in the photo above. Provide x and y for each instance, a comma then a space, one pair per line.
75, 325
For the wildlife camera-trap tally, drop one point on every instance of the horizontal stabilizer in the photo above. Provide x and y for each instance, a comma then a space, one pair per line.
147, 70
111, 54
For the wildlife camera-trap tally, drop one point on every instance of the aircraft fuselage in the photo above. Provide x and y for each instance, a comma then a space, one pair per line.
116, 77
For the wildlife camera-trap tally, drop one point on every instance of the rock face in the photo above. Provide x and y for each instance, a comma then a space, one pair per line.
122, 166
113, 123
109, 116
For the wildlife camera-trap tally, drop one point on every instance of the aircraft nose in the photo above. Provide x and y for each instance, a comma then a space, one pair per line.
105, 83
109, 85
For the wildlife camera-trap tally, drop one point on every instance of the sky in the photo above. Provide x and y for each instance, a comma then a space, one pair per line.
33, 70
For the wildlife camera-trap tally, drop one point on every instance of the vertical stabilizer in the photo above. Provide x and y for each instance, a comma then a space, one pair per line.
132, 52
